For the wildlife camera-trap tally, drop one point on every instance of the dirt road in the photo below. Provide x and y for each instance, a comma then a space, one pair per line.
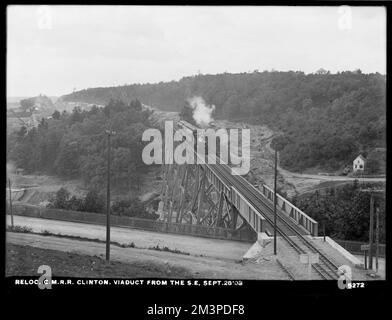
198, 267
221, 249
287, 173
39, 188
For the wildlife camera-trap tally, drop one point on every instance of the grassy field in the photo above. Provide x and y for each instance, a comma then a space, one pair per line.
25, 260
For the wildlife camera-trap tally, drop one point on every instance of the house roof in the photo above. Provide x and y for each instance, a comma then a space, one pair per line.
361, 157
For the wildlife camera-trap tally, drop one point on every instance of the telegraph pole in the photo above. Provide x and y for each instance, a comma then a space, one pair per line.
371, 232
109, 133
377, 235
373, 192
275, 197
12, 215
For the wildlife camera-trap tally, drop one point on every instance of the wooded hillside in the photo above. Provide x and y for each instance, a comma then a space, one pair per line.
74, 145
327, 118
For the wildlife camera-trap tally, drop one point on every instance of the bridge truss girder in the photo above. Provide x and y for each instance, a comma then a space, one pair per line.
189, 197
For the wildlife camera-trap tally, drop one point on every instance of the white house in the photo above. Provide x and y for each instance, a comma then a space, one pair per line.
359, 163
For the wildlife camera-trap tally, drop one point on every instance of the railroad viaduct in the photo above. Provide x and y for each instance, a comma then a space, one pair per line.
209, 195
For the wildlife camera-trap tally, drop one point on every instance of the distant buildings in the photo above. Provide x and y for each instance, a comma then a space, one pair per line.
359, 164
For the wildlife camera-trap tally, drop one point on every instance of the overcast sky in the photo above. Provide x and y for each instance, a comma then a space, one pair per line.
52, 50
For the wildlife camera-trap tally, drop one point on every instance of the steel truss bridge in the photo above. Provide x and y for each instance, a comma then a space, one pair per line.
209, 195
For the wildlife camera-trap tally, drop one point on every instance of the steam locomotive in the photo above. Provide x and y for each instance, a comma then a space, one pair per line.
189, 127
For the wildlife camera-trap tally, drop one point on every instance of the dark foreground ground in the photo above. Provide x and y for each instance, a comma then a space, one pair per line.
25, 260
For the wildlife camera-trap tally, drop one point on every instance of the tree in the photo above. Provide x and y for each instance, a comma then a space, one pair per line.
43, 124
187, 113
22, 132
74, 204
345, 112
233, 107
372, 166
93, 202
93, 170
131, 208
135, 104
77, 115
115, 106
67, 163
56, 115
321, 71
345, 211
94, 110
280, 142
60, 199
27, 104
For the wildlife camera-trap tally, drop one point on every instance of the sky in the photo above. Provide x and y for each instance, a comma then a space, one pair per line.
54, 50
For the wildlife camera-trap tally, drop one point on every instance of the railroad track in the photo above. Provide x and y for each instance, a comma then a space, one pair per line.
325, 268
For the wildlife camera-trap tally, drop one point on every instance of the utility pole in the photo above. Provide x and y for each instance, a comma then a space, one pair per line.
275, 197
377, 235
371, 232
12, 215
372, 192
109, 133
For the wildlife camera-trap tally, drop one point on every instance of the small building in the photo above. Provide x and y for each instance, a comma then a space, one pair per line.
359, 163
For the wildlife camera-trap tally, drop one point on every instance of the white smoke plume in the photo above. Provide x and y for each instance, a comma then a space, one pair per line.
202, 112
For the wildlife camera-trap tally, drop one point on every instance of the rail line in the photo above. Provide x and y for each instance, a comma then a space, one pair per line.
286, 270
325, 268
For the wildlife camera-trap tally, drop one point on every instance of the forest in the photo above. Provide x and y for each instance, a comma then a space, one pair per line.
74, 145
326, 119
95, 202
345, 211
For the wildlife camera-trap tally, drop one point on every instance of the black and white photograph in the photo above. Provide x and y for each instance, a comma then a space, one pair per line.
213, 145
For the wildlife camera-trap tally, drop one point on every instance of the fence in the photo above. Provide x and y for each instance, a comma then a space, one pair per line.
291, 211
137, 223
354, 247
